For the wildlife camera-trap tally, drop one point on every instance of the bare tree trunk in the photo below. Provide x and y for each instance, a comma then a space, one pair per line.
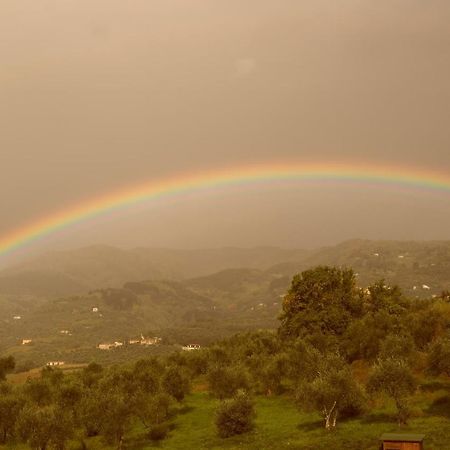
328, 414
334, 419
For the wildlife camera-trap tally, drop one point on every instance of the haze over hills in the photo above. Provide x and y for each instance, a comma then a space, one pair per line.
407, 263
78, 271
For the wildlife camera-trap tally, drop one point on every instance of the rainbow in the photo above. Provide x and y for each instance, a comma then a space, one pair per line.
173, 186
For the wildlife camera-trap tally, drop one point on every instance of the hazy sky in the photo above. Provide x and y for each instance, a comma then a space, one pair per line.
98, 94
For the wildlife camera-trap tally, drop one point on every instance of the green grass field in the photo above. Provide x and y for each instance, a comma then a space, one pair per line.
280, 425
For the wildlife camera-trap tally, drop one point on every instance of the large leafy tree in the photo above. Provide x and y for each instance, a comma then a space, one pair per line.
320, 301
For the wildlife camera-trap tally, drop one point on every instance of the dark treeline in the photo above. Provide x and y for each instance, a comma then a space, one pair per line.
336, 348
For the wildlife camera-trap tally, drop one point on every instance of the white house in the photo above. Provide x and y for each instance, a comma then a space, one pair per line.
17, 317
190, 347
109, 346
26, 341
55, 363
105, 346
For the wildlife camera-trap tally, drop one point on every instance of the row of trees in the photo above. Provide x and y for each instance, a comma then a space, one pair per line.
50, 410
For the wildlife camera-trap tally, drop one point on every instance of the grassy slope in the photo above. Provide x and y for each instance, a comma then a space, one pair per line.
279, 425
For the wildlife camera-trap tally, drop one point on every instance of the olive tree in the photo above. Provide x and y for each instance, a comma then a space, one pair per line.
394, 378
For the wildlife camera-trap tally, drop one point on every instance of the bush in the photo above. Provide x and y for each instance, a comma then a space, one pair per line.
235, 416
159, 432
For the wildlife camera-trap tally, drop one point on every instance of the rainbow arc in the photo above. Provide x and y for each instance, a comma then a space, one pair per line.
172, 186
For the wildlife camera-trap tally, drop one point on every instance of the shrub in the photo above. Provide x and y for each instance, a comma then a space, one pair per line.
158, 432
235, 416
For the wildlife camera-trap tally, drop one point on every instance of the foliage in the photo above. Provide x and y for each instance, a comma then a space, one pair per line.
176, 383
394, 377
320, 300
7, 365
235, 416
40, 426
332, 391
439, 357
224, 382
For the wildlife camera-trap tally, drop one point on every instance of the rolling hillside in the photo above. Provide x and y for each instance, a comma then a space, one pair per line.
78, 271
196, 309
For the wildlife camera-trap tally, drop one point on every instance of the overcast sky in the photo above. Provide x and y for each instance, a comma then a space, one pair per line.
99, 94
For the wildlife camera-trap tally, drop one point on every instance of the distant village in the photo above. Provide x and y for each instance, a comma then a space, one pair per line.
142, 341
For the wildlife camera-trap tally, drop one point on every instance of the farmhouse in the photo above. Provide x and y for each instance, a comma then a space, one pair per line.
26, 341
190, 347
109, 346
55, 363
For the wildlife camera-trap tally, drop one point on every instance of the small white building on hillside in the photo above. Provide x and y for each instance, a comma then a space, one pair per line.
190, 347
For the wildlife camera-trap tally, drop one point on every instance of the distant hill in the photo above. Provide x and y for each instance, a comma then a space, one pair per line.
199, 310
415, 266
78, 271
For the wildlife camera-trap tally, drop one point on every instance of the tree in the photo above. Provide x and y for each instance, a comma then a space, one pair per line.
332, 392
270, 373
176, 383
91, 374
38, 391
439, 357
224, 382
394, 377
235, 416
41, 427
7, 365
382, 297
146, 374
116, 416
10, 405
320, 301
154, 409
398, 347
